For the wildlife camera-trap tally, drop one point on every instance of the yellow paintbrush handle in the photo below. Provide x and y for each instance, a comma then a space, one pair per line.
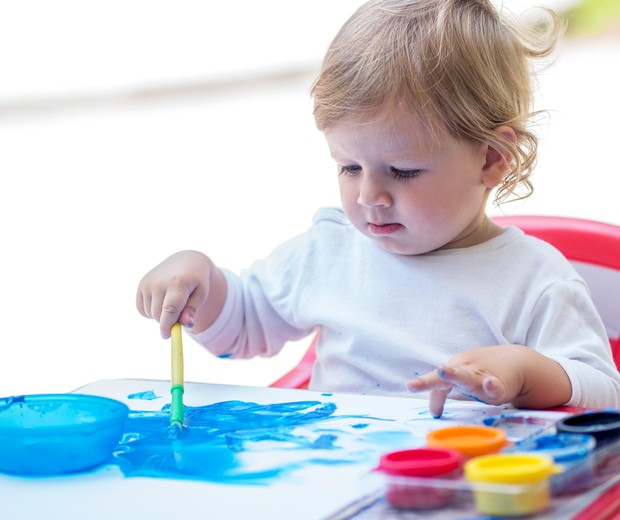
177, 355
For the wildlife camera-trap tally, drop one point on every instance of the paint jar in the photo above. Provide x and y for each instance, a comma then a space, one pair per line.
573, 452
54, 434
510, 484
470, 441
414, 478
604, 426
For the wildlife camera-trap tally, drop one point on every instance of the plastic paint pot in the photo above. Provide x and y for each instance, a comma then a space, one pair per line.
604, 426
510, 484
573, 452
52, 434
412, 477
470, 441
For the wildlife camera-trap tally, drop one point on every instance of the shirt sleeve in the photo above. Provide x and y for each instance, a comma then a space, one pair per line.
258, 318
567, 329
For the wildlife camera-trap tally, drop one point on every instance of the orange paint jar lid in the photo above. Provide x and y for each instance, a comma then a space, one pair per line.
470, 441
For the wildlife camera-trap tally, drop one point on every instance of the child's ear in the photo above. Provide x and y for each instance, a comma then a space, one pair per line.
498, 160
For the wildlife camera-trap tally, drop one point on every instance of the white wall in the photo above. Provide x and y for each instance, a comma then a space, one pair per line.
100, 180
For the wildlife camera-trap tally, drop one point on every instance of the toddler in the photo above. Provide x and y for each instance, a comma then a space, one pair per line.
425, 106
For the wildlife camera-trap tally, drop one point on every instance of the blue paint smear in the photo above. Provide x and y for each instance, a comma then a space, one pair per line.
245, 443
518, 425
388, 439
225, 356
148, 395
423, 414
472, 397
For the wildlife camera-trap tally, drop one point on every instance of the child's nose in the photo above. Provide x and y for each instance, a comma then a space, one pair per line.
373, 192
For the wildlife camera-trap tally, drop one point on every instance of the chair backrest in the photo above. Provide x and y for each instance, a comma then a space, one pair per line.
593, 248
299, 375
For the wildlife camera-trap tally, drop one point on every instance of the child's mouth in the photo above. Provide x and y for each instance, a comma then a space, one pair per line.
383, 229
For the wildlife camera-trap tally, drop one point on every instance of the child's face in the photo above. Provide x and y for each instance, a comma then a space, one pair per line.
410, 194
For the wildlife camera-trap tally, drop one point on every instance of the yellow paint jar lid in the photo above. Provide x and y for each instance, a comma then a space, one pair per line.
510, 468
470, 441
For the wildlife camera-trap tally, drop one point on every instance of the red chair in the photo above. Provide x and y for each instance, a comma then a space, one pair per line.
592, 247
299, 375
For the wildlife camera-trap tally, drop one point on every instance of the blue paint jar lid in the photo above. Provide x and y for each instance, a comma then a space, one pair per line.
604, 425
563, 447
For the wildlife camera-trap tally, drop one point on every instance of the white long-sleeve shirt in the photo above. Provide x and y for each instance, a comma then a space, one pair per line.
385, 318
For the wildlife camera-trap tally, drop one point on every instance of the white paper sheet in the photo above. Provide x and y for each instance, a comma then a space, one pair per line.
375, 424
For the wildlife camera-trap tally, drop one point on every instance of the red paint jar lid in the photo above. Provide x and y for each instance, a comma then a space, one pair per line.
420, 462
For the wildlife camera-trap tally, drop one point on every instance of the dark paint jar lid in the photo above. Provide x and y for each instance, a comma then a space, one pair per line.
604, 425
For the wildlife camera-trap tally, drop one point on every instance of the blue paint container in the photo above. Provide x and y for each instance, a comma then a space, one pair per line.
53, 434
574, 452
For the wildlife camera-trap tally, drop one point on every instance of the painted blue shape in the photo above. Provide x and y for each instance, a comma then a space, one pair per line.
214, 436
324, 442
490, 421
148, 395
472, 397
388, 438
327, 394
246, 443
225, 356
423, 414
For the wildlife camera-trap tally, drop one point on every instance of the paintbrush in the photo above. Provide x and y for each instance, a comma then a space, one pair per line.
176, 389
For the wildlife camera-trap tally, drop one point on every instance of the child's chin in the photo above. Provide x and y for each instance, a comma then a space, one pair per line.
399, 248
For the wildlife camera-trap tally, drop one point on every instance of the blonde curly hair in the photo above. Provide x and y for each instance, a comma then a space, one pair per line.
457, 64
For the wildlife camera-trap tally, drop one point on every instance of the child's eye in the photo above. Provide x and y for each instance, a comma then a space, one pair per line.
404, 175
350, 169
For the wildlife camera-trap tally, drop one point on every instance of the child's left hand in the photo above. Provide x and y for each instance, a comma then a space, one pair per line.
495, 375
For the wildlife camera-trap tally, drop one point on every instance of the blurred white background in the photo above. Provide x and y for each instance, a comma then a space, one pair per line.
133, 129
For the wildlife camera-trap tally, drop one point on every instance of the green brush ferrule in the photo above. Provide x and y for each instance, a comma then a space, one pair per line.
176, 404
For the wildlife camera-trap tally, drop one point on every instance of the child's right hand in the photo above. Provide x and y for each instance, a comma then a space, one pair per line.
186, 287
496, 375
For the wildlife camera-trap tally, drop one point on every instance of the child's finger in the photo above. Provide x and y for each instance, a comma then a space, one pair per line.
196, 300
427, 381
439, 391
466, 383
155, 305
455, 375
143, 303
437, 400
494, 390
171, 307
484, 389
187, 317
